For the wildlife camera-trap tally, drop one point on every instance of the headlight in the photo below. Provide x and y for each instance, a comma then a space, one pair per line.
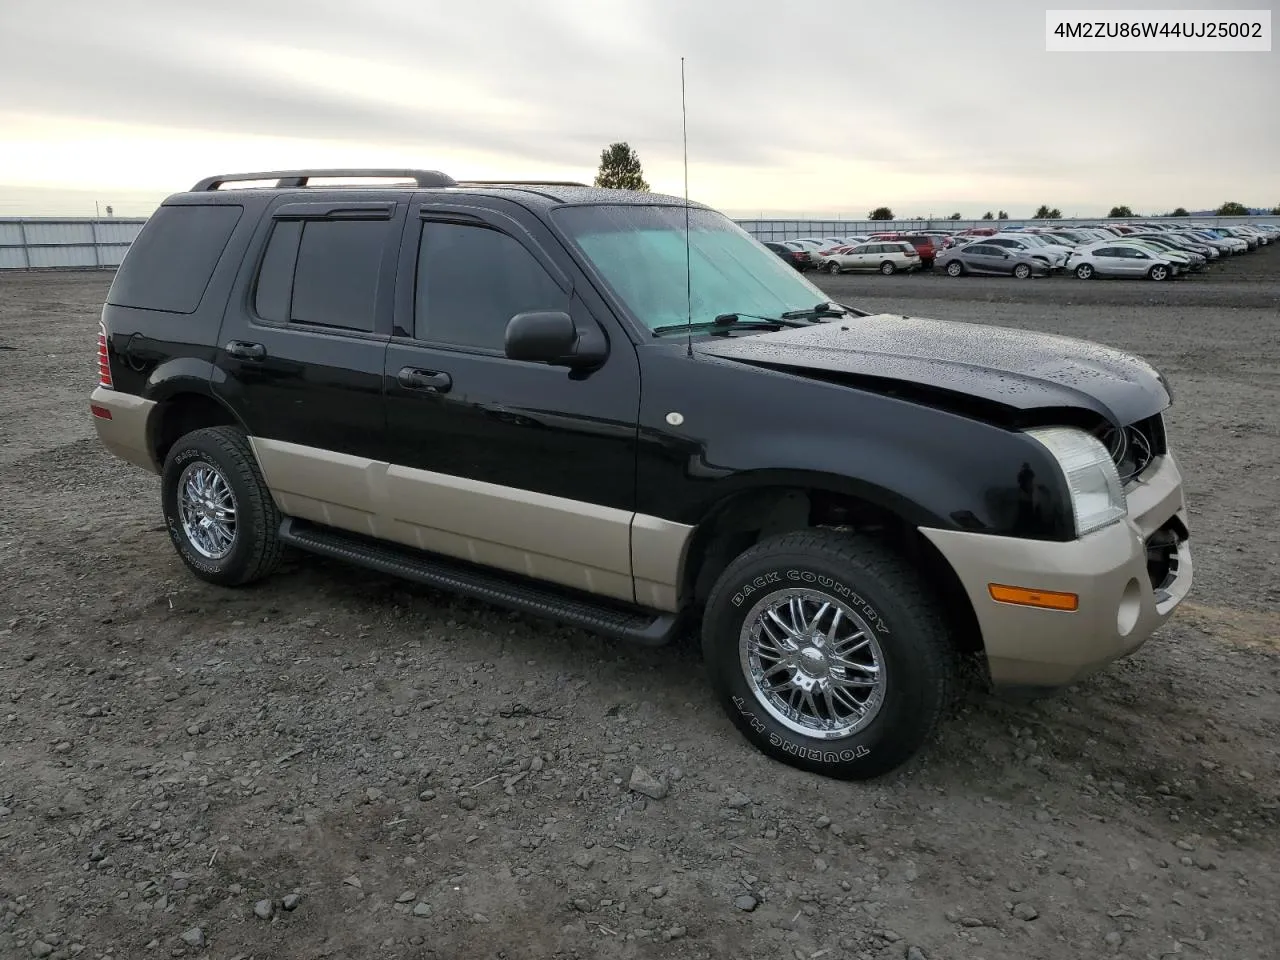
1097, 498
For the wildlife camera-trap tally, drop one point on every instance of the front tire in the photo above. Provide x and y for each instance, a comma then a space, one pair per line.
1084, 271
955, 268
833, 268
1158, 272
1022, 271
220, 515
828, 653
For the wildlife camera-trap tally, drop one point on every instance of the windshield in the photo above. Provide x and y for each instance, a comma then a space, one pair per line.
639, 250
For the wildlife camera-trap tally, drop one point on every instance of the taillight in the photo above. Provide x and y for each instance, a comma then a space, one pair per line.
104, 363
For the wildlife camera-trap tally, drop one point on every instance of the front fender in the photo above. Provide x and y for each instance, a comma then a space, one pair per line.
743, 427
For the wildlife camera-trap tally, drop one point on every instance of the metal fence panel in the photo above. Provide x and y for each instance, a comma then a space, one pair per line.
12, 258
42, 243
88, 242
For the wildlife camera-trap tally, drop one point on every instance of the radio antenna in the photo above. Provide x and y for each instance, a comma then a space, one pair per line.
688, 256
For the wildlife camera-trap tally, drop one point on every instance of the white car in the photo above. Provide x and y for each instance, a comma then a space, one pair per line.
834, 245
1117, 258
887, 256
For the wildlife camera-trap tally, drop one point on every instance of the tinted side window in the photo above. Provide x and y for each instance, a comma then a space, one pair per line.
472, 280
275, 276
335, 282
171, 262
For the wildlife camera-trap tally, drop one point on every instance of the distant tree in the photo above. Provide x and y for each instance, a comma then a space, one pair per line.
1002, 215
988, 215
1233, 209
880, 213
1044, 213
1180, 212
954, 216
1276, 211
620, 169
1120, 212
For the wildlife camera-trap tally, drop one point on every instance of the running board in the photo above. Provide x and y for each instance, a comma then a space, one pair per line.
612, 619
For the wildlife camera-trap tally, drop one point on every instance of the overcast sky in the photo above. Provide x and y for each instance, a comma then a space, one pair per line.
799, 108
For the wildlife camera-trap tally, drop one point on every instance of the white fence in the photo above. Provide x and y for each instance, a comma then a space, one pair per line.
36, 243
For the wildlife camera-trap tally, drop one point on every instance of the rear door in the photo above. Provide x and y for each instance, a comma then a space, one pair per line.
985, 258
300, 357
1109, 260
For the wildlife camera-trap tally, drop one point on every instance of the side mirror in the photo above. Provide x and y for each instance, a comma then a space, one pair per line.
552, 337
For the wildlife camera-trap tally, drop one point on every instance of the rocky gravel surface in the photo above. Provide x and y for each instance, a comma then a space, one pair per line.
336, 764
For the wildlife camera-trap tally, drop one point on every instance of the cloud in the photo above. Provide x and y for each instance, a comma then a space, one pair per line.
858, 103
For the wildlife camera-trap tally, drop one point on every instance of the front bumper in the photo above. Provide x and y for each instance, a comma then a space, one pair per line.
1119, 605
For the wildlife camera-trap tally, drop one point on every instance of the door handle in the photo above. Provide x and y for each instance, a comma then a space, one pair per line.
243, 350
432, 381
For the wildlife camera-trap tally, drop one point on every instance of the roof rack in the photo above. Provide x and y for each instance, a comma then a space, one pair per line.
300, 178
520, 183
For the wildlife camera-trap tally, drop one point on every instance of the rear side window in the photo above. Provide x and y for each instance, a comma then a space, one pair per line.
322, 273
169, 265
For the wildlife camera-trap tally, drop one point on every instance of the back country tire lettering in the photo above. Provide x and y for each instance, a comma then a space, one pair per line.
886, 591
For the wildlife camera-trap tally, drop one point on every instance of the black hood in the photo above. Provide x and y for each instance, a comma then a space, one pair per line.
1019, 370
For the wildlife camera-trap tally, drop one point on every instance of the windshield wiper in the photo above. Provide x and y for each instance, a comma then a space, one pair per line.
818, 311
726, 320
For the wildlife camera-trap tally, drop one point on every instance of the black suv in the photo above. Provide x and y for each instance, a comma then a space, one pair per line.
622, 411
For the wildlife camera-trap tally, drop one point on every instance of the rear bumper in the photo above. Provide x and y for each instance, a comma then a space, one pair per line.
121, 421
1119, 606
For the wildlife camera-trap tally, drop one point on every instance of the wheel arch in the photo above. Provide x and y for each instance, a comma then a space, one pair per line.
184, 407
775, 504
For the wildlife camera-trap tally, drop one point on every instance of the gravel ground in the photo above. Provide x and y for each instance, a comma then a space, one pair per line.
335, 764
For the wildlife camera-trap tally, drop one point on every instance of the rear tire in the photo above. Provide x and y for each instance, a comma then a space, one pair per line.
896, 653
220, 515
888, 268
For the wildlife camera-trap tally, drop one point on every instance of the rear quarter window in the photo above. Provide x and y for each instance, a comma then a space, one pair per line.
169, 265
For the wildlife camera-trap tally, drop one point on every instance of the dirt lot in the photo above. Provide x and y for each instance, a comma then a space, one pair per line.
335, 764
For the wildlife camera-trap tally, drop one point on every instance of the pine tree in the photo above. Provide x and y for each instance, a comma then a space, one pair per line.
620, 169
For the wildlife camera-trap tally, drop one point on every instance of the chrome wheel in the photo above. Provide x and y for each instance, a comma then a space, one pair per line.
207, 510
1022, 271
833, 267
1159, 272
812, 663
954, 268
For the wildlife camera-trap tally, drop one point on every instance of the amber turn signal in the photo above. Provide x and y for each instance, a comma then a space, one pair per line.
1046, 599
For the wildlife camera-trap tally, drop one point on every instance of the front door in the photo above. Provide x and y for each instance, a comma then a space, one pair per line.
517, 465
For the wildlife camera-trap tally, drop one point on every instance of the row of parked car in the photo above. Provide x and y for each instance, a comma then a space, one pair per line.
1156, 250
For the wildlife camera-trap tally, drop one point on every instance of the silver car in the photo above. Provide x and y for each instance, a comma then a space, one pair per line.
1120, 259
985, 257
